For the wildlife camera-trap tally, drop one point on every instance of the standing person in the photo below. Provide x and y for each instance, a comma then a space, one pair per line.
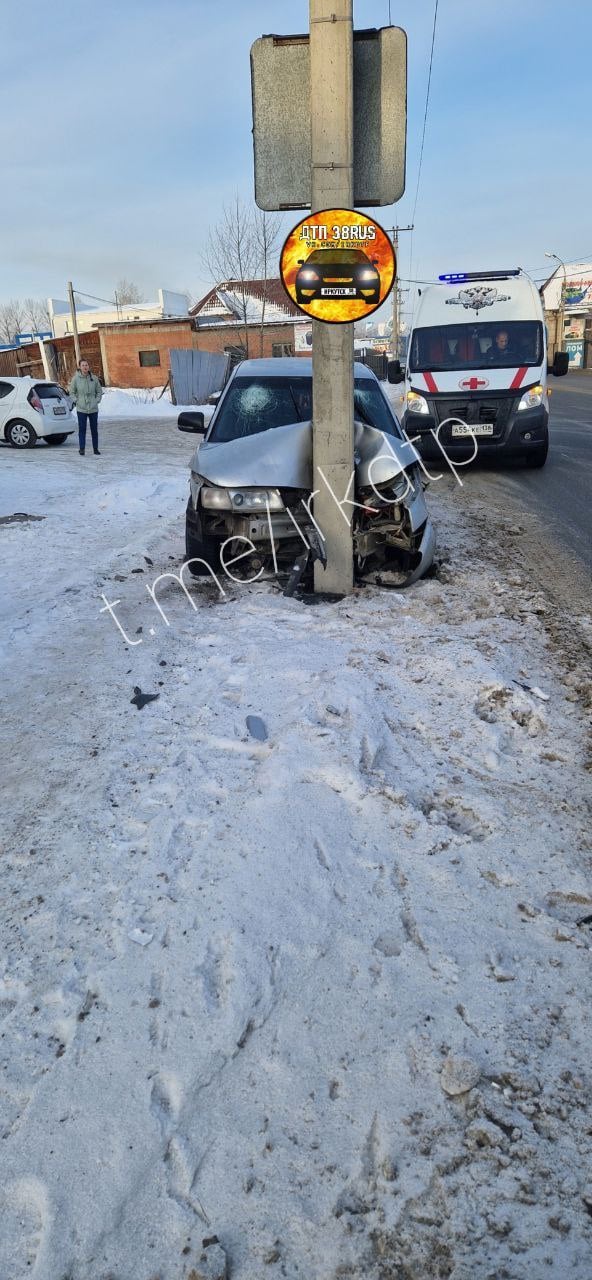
86, 392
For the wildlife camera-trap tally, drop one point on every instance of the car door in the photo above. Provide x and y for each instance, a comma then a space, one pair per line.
7, 398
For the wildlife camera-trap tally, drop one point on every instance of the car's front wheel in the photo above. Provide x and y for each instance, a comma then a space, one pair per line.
21, 435
198, 550
59, 439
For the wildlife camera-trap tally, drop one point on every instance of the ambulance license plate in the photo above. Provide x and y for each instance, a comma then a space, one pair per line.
474, 429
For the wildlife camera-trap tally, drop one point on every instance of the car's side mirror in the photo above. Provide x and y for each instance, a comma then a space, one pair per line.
301, 262
394, 372
560, 364
193, 422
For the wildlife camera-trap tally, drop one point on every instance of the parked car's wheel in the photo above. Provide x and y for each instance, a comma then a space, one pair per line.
21, 434
538, 457
197, 549
56, 439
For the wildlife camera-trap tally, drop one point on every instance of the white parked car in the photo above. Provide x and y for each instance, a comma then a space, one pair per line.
31, 410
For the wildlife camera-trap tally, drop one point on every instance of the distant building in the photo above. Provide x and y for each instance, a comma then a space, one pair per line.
247, 312
254, 318
169, 305
131, 346
575, 287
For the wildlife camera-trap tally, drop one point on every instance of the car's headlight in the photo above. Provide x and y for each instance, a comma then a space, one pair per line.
256, 500
215, 499
417, 403
241, 499
308, 274
368, 274
532, 398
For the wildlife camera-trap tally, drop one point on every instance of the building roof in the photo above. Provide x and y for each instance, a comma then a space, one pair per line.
150, 322
265, 300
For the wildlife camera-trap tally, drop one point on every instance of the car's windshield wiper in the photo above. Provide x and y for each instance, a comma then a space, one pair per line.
294, 402
360, 412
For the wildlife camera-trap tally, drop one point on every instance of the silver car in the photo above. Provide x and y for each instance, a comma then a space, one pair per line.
252, 479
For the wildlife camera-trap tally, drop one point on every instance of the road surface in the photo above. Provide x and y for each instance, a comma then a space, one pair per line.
559, 494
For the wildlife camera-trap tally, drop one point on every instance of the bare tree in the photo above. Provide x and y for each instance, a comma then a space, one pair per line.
12, 319
266, 229
126, 293
36, 315
232, 253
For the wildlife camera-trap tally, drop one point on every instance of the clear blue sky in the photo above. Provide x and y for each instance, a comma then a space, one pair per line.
125, 127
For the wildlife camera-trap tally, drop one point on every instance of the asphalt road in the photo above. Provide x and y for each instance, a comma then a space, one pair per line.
559, 495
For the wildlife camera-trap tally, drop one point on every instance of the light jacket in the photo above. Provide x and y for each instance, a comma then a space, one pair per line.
86, 391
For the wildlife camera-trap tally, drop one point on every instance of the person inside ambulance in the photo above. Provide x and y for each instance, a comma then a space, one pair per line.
502, 351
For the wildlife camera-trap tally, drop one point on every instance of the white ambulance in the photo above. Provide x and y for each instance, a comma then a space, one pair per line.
476, 375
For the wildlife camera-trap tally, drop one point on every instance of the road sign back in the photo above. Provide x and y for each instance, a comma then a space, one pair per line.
280, 83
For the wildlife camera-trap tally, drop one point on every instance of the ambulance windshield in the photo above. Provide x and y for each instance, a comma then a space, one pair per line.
477, 345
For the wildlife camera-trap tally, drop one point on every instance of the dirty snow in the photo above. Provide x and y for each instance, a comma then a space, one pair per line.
322, 993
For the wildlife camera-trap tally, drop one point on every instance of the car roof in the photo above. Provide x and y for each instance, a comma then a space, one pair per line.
19, 379
283, 366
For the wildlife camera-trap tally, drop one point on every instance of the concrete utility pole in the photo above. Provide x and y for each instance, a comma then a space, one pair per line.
396, 303
560, 321
396, 333
74, 324
331, 110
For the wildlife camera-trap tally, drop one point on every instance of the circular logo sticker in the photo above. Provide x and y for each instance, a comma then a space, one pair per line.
338, 265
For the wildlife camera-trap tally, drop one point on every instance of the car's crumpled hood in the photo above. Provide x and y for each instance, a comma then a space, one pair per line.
281, 458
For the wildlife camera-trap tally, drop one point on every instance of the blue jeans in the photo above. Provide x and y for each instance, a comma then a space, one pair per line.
93, 419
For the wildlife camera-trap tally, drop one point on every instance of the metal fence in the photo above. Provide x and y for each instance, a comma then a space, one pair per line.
377, 362
196, 374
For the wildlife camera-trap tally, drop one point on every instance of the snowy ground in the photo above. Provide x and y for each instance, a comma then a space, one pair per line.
324, 996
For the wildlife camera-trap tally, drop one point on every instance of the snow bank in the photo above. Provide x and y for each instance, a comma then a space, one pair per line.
140, 402
322, 995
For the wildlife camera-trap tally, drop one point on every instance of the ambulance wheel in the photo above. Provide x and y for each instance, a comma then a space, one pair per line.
538, 457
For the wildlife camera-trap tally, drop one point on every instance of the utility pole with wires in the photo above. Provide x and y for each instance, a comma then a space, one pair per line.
397, 291
332, 155
74, 322
328, 155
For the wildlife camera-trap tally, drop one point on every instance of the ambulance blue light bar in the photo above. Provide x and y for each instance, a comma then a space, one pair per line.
459, 277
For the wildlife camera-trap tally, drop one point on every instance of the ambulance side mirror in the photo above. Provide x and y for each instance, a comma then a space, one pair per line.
394, 372
560, 364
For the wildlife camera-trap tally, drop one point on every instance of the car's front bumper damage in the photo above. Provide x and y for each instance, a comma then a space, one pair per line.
391, 527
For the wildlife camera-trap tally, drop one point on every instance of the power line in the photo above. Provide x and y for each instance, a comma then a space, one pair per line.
423, 134
425, 115
112, 302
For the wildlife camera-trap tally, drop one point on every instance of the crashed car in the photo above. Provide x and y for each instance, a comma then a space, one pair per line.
252, 480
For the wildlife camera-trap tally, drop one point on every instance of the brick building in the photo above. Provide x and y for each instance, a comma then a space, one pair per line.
252, 319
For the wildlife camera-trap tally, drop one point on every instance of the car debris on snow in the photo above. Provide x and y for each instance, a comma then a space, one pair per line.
534, 689
140, 699
141, 936
257, 728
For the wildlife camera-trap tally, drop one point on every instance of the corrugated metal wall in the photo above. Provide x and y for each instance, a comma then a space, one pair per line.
196, 374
